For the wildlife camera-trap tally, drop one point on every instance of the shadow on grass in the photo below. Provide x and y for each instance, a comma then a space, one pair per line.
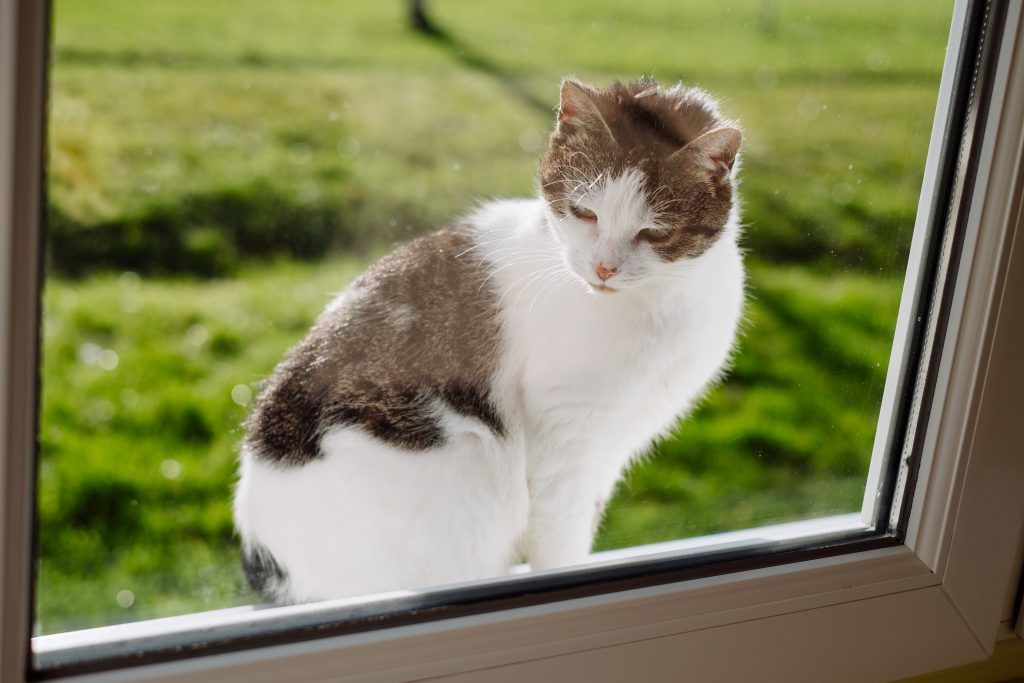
170, 60
844, 365
204, 234
832, 238
477, 61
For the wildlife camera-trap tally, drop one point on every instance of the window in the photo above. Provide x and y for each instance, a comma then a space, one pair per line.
913, 585
161, 313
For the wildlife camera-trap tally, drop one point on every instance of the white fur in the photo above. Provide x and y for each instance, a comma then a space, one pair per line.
622, 210
587, 379
370, 518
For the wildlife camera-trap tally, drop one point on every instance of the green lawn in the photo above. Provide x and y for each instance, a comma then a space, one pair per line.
205, 157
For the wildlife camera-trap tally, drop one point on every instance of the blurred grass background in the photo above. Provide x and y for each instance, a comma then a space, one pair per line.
218, 170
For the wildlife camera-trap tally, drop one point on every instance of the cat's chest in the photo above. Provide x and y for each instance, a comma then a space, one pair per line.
604, 365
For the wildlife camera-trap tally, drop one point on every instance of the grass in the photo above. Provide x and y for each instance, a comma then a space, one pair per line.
344, 112
198, 149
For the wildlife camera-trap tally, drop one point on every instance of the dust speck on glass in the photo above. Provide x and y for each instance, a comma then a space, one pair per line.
217, 175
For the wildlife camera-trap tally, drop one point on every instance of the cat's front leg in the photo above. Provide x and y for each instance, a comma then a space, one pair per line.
565, 511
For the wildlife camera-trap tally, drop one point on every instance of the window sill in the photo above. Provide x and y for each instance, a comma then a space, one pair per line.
88, 645
876, 601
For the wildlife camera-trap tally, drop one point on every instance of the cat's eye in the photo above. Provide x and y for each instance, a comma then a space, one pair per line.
653, 236
581, 212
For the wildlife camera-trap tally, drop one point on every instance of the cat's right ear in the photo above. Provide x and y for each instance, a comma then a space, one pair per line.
576, 106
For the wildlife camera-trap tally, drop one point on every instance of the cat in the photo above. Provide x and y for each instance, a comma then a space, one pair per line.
472, 399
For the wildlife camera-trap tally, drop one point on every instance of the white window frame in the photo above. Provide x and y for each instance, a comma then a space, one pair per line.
941, 598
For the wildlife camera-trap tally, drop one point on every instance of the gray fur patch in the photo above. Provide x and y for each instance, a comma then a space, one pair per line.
264, 574
416, 329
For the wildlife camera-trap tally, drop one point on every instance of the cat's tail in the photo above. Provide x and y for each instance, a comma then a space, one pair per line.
263, 573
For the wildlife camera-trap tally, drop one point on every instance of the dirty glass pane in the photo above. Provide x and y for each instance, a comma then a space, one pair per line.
218, 170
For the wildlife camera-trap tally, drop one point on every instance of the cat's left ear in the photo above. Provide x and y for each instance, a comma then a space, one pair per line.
715, 150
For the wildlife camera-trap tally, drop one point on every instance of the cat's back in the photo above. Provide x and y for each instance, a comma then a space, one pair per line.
416, 329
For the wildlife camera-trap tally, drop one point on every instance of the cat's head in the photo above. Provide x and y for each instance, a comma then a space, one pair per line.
637, 180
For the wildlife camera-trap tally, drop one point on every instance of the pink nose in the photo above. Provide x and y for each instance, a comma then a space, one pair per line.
603, 272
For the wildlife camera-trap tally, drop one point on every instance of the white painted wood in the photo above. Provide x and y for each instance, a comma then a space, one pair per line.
791, 644
969, 512
990, 510
969, 328
546, 631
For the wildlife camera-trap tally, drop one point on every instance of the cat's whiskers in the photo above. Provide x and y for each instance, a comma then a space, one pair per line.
522, 289
557, 279
584, 186
532, 273
677, 278
480, 246
518, 255
540, 289
556, 181
538, 275
570, 278
513, 262
574, 174
662, 207
490, 256
483, 243
660, 201
656, 195
514, 248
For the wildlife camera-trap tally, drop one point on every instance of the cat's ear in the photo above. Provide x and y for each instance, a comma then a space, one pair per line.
576, 106
715, 150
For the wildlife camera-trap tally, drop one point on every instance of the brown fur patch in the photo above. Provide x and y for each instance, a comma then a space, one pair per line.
638, 126
413, 330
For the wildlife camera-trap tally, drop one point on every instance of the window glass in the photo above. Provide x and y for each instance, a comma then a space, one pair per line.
217, 172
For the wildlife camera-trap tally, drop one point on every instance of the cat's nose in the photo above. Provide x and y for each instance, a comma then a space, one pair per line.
604, 272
